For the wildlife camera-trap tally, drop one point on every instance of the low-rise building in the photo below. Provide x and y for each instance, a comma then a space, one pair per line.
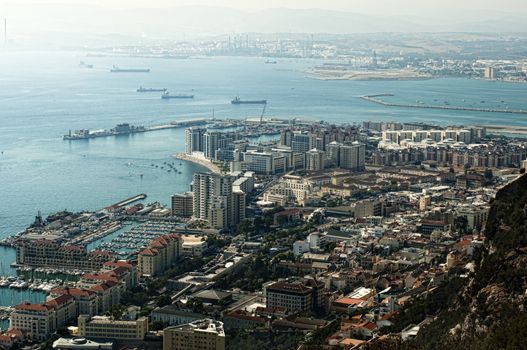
193, 245
103, 327
171, 315
199, 335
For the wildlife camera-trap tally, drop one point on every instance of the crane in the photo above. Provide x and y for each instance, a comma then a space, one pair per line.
263, 112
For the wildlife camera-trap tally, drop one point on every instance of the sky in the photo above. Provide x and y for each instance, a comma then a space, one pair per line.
363, 6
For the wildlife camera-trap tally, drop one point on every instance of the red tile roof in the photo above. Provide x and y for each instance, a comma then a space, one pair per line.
33, 307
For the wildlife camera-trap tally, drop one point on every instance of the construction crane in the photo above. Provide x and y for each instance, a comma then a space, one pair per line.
263, 112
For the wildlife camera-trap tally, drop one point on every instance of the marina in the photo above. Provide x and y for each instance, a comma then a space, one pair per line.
129, 241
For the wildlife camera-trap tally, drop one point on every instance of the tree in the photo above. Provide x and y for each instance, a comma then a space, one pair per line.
488, 174
157, 325
116, 311
164, 300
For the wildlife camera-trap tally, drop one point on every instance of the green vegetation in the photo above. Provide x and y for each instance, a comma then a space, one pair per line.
251, 275
259, 340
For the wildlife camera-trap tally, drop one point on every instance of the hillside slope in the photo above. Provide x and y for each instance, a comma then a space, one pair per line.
489, 311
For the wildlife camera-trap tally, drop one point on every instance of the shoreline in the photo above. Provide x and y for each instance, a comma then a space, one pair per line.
196, 159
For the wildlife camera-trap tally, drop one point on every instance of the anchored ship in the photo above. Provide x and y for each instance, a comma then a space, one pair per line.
166, 95
143, 89
238, 101
116, 69
82, 64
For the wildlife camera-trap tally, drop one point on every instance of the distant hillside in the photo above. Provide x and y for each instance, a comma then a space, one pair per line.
82, 21
489, 310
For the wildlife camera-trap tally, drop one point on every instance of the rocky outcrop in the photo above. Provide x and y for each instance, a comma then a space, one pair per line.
490, 310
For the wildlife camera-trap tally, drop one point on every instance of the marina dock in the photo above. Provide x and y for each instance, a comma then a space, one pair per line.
376, 99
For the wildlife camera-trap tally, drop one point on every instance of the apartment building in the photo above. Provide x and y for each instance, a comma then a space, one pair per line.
292, 187
194, 140
315, 160
44, 253
295, 296
214, 200
38, 321
160, 254
182, 204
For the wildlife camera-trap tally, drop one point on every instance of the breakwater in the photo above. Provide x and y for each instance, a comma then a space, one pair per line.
376, 99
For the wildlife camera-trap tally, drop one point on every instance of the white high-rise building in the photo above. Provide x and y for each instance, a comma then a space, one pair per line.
315, 160
194, 140
352, 156
214, 200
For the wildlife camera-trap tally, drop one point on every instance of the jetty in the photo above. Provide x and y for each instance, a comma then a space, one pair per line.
376, 99
130, 200
126, 129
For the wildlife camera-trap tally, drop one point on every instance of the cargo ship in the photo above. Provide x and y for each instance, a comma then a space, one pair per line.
238, 101
166, 96
116, 69
143, 89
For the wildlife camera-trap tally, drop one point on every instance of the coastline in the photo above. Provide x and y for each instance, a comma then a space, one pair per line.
198, 158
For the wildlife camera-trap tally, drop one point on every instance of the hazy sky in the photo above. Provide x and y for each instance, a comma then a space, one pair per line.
365, 6
59, 21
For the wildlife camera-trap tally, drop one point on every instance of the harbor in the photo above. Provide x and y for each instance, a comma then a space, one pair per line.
377, 99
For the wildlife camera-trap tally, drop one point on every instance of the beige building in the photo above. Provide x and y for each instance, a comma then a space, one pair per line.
295, 296
199, 335
315, 160
214, 200
490, 73
424, 202
293, 188
367, 207
108, 328
182, 205
43, 253
160, 254
38, 321
193, 245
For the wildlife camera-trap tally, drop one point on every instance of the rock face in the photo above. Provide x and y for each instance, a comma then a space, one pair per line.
490, 311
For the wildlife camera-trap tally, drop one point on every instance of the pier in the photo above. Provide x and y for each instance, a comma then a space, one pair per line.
376, 99
130, 200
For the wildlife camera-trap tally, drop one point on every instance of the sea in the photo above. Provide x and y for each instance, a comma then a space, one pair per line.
43, 95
